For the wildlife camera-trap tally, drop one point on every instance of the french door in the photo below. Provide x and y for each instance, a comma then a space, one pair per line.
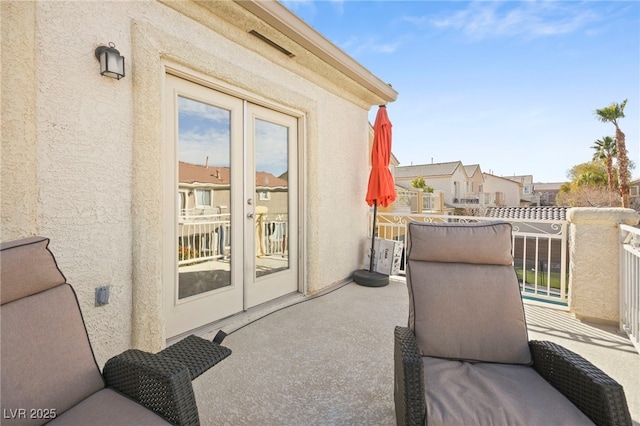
230, 179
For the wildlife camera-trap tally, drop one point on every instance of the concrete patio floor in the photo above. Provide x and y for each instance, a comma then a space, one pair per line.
329, 360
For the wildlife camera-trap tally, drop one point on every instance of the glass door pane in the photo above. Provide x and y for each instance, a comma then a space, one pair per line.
204, 197
271, 227
272, 197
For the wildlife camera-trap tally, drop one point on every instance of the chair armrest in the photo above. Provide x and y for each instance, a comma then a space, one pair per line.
159, 383
596, 394
196, 353
411, 408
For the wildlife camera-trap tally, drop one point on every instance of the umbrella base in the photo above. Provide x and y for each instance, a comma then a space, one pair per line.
370, 279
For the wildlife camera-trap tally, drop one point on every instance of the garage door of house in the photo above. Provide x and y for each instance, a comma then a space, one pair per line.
231, 222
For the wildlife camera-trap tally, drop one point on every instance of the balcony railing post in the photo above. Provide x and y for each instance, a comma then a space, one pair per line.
630, 283
594, 286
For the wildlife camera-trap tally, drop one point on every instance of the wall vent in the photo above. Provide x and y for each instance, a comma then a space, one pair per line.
272, 43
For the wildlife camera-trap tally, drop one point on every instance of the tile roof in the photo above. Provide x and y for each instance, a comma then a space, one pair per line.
538, 213
424, 170
471, 169
192, 173
216, 175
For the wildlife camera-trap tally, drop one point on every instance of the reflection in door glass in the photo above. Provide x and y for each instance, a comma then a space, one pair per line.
272, 197
204, 197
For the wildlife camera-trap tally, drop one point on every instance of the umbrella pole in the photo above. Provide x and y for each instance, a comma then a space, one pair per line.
373, 234
370, 278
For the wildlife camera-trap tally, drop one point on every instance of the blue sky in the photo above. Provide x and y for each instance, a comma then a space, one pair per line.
510, 85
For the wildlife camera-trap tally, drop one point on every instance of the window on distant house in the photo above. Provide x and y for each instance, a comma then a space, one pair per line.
264, 195
203, 198
527, 189
182, 202
633, 191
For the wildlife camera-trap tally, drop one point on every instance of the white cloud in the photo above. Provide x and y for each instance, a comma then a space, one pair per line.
485, 19
357, 46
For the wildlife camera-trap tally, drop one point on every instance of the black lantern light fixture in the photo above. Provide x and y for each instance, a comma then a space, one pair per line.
111, 62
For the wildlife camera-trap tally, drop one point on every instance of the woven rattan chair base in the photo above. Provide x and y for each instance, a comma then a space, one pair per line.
197, 353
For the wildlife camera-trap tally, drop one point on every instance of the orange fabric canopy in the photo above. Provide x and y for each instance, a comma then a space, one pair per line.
381, 190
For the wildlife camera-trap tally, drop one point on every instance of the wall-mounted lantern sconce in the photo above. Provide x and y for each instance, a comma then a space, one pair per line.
111, 63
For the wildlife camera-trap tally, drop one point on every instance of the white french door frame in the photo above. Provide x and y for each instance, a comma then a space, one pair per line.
258, 290
297, 208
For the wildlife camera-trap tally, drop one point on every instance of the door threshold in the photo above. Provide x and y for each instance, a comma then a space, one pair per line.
239, 320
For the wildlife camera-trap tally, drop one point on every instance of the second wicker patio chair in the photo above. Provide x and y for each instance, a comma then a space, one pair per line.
465, 357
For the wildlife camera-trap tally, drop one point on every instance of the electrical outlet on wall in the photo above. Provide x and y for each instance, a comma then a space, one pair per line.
102, 295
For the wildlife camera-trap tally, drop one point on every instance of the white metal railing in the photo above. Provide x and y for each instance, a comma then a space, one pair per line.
208, 237
539, 250
202, 238
272, 235
404, 200
407, 200
630, 283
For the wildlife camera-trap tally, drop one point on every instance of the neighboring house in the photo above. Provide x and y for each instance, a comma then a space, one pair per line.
504, 191
244, 92
475, 184
547, 192
463, 186
451, 178
529, 196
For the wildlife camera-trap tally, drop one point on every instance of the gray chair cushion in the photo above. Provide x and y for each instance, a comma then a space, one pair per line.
462, 393
108, 408
453, 301
27, 267
486, 243
47, 361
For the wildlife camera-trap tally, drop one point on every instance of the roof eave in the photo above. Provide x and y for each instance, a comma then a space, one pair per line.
285, 21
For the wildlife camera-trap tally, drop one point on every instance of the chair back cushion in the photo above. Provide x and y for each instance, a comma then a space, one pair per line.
483, 243
27, 267
465, 302
47, 360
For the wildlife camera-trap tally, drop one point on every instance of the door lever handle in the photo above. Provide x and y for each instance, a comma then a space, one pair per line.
250, 215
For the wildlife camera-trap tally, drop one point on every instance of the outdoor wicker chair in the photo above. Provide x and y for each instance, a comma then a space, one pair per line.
465, 358
49, 372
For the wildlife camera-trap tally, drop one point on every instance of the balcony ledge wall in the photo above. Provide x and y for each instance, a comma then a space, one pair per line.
594, 277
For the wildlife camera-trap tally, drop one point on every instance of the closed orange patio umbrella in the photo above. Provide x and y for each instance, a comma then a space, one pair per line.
380, 190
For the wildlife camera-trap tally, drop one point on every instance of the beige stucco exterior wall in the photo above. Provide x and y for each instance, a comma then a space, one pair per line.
510, 189
594, 276
18, 184
82, 154
476, 182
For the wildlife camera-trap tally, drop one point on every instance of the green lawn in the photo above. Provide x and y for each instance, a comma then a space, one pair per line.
542, 278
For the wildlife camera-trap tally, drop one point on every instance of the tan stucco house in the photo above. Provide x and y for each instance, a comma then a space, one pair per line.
245, 90
504, 191
464, 186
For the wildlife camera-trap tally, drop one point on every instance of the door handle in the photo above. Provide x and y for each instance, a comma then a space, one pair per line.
250, 215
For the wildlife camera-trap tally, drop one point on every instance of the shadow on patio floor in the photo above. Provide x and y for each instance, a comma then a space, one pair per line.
329, 360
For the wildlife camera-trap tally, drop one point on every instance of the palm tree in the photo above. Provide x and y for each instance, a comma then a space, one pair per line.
612, 114
606, 151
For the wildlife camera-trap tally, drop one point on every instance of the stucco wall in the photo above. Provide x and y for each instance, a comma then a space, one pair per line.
92, 166
18, 180
594, 276
510, 189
